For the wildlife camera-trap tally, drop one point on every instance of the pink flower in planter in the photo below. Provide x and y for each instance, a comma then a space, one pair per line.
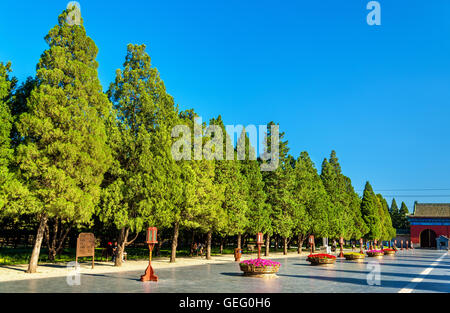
261, 262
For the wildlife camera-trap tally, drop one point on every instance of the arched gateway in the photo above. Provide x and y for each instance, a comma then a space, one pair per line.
428, 239
429, 221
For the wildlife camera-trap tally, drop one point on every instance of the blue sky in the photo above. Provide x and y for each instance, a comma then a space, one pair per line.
378, 95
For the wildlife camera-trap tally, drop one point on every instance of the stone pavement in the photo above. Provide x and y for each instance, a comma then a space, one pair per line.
410, 271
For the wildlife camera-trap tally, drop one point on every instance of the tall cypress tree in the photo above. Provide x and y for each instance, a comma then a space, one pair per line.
228, 174
143, 184
213, 217
345, 217
278, 186
14, 197
388, 231
258, 213
311, 199
6, 152
394, 212
371, 213
64, 154
403, 220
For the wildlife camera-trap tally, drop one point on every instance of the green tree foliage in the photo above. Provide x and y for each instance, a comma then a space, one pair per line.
64, 154
388, 231
6, 153
311, 200
137, 188
278, 186
345, 215
403, 220
13, 195
394, 212
201, 198
258, 213
228, 175
19, 106
212, 217
370, 210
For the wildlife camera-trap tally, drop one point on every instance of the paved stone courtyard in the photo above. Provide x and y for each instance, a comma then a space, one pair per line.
405, 271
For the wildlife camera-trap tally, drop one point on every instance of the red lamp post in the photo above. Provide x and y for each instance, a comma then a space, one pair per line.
361, 245
341, 243
407, 246
401, 242
395, 244
151, 241
259, 242
311, 243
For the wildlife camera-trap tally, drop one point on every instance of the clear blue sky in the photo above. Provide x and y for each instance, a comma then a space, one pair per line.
378, 95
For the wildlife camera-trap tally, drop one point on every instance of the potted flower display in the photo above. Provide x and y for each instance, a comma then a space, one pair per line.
389, 251
375, 253
321, 258
354, 256
259, 267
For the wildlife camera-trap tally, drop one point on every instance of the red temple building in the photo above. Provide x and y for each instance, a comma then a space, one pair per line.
428, 222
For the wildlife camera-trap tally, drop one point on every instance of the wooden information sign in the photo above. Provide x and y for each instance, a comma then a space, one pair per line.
85, 246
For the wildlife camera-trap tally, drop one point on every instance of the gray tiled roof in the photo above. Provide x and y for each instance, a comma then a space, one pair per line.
432, 210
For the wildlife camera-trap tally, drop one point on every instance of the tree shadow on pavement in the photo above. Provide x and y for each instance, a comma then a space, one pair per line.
363, 282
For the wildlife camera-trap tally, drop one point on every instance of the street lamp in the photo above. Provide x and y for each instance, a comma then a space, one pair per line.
259, 242
401, 244
361, 245
151, 240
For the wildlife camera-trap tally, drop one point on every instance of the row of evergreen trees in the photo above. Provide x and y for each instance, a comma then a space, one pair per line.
399, 217
72, 155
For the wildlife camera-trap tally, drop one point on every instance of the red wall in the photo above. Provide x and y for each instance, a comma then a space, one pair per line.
439, 230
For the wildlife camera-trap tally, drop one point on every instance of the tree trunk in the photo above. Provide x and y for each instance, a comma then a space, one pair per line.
173, 255
159, 244
266, 253
276, 243
221, 245
55, 238
32, 266
192, 244
62, 239
285, 245
239, 237
121, 246
208, 245
300, 240
51, 239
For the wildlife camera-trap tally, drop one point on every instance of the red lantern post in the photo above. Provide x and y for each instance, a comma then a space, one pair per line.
407, 246
151, 241
361, 245
259, 242
401, 242
341, 243
395, 244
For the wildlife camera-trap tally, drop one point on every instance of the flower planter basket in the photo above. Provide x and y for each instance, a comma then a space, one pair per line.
389, 251
354, 256
375, 253
321, 259
252, 270
259, 268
